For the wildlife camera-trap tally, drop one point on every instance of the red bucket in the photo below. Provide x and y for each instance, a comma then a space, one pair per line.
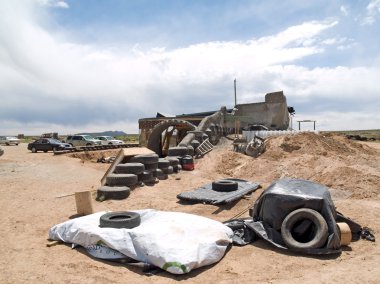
187, 163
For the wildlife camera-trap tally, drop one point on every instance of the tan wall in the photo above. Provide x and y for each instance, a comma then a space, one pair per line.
273, 113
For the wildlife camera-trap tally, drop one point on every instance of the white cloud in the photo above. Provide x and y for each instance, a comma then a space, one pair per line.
330, 121
50, 83
344, 10
53, 3
373, 10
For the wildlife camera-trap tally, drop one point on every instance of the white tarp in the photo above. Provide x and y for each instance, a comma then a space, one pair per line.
174, 241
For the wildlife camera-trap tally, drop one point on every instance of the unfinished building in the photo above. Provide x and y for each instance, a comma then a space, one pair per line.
160, 133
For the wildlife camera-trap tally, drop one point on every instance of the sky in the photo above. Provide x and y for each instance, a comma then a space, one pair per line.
95, 65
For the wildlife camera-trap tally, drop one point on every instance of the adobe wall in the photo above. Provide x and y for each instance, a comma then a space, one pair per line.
273, 113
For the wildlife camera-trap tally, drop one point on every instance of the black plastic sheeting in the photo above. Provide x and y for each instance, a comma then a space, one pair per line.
205, 193
281, 198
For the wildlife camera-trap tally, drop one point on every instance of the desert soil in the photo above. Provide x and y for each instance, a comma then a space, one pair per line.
30, 186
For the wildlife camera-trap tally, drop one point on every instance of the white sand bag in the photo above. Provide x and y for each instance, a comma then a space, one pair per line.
176, 242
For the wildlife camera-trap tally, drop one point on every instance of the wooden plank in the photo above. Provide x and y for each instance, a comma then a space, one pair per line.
124, 154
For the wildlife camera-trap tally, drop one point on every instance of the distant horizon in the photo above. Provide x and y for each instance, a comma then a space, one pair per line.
81, 133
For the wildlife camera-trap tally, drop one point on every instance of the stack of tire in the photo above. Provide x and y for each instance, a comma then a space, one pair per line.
167, 166
195, 144
184, 154
174, 163
150, 162
119, 183
138, 171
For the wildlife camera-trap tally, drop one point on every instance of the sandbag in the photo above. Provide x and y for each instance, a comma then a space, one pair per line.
176, 242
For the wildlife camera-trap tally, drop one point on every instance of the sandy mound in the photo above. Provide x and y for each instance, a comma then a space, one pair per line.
93, 156
331, 160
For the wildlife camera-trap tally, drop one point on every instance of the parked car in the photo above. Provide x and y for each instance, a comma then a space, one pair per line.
108, 140
82, 140
1, 151
48, 144
9, 140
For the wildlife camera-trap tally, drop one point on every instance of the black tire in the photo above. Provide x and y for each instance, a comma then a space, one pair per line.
195, 144
177, 151
208, 131
34, 150
112, 192
225, 185
146, 177
120, 219
186, 160
151, 167
45, 151
121, 180
190, 150
156, 134
161, 175
168, 170
159, 171
145, 159
177, 168
163, 163
172, 161
130, 168
315, 237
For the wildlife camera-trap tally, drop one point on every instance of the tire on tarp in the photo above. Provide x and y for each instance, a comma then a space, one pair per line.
317, 236
225, 185
121, 180
112, 192
120, 219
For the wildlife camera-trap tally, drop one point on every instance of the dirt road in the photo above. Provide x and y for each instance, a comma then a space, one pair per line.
30, 184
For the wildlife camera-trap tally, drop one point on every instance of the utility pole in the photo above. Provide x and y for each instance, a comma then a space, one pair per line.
235, 90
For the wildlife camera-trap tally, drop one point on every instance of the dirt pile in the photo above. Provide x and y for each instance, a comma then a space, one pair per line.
93, 156
332, 160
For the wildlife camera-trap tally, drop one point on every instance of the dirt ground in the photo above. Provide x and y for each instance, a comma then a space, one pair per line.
30, 186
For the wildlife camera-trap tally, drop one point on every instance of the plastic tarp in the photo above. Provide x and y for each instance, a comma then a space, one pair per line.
206, 194
176, 242
286, 195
